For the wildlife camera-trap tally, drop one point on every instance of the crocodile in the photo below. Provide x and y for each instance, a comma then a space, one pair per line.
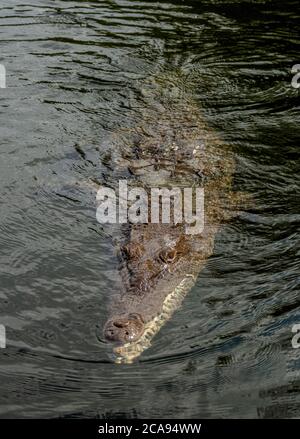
172, 145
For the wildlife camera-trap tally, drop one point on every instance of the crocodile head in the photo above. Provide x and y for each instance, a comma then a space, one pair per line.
159, 266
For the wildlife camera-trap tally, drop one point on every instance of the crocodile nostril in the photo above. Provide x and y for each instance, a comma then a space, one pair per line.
120, 323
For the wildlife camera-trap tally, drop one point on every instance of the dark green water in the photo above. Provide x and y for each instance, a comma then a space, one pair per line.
73, 69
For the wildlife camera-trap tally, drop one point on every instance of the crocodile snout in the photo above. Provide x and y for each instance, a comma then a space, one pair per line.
124, 329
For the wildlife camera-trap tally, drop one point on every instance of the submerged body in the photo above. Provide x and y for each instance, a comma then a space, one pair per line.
172, 146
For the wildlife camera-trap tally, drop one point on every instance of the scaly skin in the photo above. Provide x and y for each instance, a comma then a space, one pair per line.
172, 146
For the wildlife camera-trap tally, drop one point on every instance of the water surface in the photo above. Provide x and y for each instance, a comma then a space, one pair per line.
74, 69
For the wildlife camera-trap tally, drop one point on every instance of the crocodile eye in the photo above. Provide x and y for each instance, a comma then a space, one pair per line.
168, 256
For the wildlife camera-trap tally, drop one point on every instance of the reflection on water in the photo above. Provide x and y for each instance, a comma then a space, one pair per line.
73, 75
